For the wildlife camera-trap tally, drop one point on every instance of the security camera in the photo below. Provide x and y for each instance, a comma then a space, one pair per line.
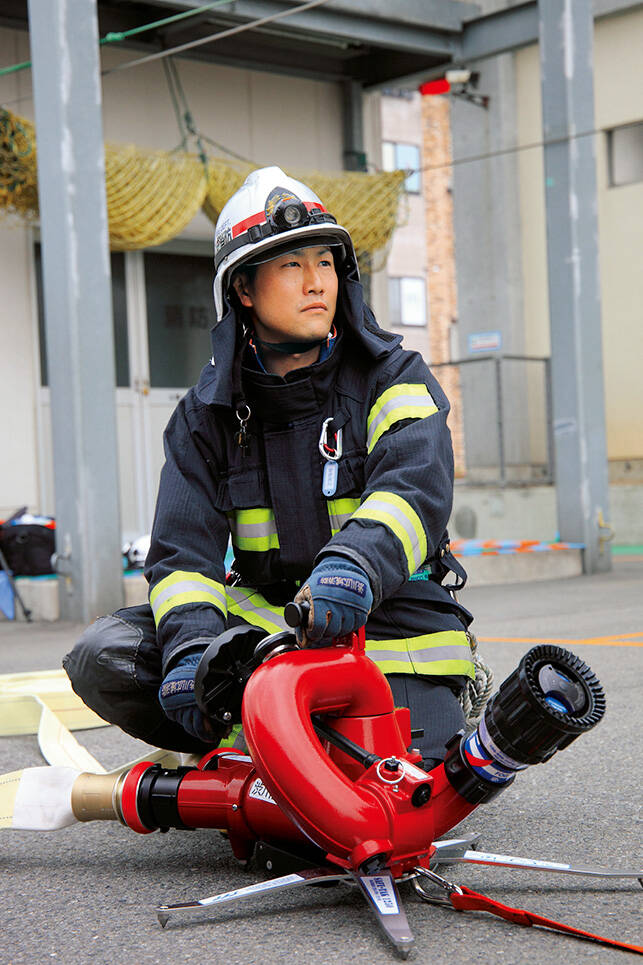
458, 76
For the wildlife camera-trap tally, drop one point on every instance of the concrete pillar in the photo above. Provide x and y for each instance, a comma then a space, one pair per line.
566, 56
78, 309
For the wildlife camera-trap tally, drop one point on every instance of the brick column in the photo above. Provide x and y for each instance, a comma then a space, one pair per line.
440, 246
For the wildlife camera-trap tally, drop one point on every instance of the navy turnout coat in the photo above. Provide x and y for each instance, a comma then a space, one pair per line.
388, 513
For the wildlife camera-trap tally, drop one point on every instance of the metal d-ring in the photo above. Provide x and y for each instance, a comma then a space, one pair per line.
385, 780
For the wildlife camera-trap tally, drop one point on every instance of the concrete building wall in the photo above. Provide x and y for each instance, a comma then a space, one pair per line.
423, 244
501, 252
401, 122
489, 270
18, 386
267, 118
18, 335
618, 100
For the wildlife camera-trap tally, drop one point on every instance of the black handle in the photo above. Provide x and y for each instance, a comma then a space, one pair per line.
296, 614
366, 758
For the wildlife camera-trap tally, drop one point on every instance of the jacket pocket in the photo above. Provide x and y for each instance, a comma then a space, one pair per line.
242, 490
350, 474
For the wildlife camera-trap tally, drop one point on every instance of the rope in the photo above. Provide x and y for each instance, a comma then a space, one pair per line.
114, 37
187, 127
477, 692
231, 32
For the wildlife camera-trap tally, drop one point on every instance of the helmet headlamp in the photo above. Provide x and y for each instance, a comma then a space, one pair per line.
289, 214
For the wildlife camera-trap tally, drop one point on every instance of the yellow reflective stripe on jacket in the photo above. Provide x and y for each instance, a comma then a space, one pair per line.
252, 607
400, 517
254, 529
340, 511
183, 587
403, 401
445, 652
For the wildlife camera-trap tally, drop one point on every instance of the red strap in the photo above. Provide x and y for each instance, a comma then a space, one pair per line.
473, 901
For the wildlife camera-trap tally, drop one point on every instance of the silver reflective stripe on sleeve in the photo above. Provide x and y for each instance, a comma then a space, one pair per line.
252, 607
399, 516
183, 587
399, 402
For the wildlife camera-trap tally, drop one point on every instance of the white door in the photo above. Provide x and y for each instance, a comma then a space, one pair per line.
163, 312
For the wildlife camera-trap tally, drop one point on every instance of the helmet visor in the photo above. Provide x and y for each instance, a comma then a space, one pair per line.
296, 244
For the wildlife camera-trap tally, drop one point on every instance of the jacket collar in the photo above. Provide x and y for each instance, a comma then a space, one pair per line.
295, 396
215, 385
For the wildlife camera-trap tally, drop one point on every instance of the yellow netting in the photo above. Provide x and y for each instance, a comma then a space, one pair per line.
18, 179
153, 195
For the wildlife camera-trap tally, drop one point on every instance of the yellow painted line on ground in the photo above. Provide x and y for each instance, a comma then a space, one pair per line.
615, 640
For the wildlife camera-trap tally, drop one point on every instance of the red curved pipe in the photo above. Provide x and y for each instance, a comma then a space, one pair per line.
336, 813
352, 813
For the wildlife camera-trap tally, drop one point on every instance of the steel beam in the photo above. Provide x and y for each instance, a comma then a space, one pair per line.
503, 31
442, 15
518, 26
500, 32
350, 25
78, 309
566, 57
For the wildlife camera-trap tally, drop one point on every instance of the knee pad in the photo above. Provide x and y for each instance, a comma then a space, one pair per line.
106, 658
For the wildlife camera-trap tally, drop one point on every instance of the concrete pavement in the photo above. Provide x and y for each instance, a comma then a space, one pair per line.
88, 893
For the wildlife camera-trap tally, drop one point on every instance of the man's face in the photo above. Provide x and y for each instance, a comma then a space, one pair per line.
293, 297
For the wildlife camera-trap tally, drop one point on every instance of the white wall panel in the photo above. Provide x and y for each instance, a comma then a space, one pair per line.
618, 100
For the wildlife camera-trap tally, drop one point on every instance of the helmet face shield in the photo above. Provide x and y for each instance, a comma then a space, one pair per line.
269, 215
316, 241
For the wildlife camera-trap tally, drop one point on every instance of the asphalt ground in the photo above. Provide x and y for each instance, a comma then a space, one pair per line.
89, 893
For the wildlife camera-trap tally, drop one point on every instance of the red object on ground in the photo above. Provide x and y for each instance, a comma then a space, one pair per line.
469, 900
295, 786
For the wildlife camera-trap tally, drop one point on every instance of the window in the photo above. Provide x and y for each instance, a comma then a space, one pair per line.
625, 154
180, 314
407, 301
119, 309
403, 157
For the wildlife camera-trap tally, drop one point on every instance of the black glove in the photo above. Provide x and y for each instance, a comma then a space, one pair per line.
340, 598
176, 696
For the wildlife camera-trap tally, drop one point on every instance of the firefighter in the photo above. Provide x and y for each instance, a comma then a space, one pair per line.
320, 447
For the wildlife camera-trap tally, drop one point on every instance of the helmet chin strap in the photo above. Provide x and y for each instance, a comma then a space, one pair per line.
291, 348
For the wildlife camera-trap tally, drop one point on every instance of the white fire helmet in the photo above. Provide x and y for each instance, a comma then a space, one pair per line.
136, 552
269, 214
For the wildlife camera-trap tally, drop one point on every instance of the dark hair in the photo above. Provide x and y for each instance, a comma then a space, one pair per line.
249, 272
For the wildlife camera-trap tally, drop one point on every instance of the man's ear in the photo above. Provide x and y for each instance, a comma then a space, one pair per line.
240, 285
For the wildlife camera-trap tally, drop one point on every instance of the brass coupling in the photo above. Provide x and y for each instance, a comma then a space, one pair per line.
97, 797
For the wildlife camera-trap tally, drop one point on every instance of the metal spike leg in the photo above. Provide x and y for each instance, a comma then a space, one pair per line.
457, 851
380, 891
308, 877
382, 895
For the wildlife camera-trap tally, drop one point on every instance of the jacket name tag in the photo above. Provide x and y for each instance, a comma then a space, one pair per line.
329, 479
